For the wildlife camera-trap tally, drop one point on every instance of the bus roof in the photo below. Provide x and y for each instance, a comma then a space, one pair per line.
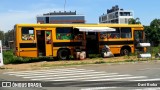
80, 25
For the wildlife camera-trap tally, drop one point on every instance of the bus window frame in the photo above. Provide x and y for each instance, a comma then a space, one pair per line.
126, 37
106, 34
79, 35
71, 29
28, 33
143, 35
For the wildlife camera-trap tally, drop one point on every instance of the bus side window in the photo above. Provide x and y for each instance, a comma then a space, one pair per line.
27, 33
78, 35
114, 34
64, 33
126, 33
103, 35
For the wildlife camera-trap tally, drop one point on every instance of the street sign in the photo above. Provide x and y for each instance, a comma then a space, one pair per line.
1, 55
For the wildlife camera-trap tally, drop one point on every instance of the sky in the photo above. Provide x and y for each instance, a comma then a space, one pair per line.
25, 11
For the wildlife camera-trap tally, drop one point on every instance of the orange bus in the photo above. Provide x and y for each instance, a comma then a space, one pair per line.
62, 40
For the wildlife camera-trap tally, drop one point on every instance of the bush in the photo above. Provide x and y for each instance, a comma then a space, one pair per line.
94, 55
130, 60
155, 49
10, 58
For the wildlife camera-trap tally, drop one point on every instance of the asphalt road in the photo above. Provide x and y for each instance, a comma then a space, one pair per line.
88, 77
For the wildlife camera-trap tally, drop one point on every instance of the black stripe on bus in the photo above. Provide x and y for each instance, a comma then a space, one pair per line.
61, 44
28, 45
115, 42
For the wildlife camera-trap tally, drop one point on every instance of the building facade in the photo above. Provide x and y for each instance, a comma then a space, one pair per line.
61, 18
116, 15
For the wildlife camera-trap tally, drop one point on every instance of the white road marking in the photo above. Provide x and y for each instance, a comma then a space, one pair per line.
134, 77
155, 79
147, 89
98, 88
35, 70
72, 75
80, 78
57, 73
94, 79
148, 69
53, 71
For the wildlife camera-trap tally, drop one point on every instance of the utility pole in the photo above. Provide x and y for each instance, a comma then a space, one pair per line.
64, 5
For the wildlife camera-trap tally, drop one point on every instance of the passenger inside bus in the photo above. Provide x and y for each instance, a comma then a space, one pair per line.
109, 35
67, 36
27, 37
78, 37
48, 37
31, 37
24, 37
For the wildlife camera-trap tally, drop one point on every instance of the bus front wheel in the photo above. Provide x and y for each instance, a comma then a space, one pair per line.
124, 52
63, 54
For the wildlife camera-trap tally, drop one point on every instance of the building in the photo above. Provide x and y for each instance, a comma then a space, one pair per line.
116, 15
61, 17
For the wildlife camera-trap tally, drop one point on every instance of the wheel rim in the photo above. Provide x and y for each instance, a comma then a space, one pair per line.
64, 54
125, 52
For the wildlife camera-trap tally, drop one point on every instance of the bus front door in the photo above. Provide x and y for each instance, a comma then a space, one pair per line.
92, 45
138, 38
44, 42
48, 43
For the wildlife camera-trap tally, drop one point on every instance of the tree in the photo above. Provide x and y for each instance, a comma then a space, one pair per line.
134, 21
153, 32
9, 37
2, 36
155, 23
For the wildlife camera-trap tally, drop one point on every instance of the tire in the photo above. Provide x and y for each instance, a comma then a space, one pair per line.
124, 52
63, 54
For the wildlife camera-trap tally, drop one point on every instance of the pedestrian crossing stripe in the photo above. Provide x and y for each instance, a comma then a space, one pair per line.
78, 77
68, 75
56, 73
72, 74
51, 70
154, 79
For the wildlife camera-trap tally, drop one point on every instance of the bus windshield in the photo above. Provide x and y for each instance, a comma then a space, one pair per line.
138, 36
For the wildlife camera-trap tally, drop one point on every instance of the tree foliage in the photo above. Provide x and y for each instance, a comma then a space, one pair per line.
8, 37
153, 32
134, 21
2, 36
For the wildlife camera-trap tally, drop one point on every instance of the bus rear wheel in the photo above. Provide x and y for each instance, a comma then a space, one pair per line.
63, 54
124, 52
